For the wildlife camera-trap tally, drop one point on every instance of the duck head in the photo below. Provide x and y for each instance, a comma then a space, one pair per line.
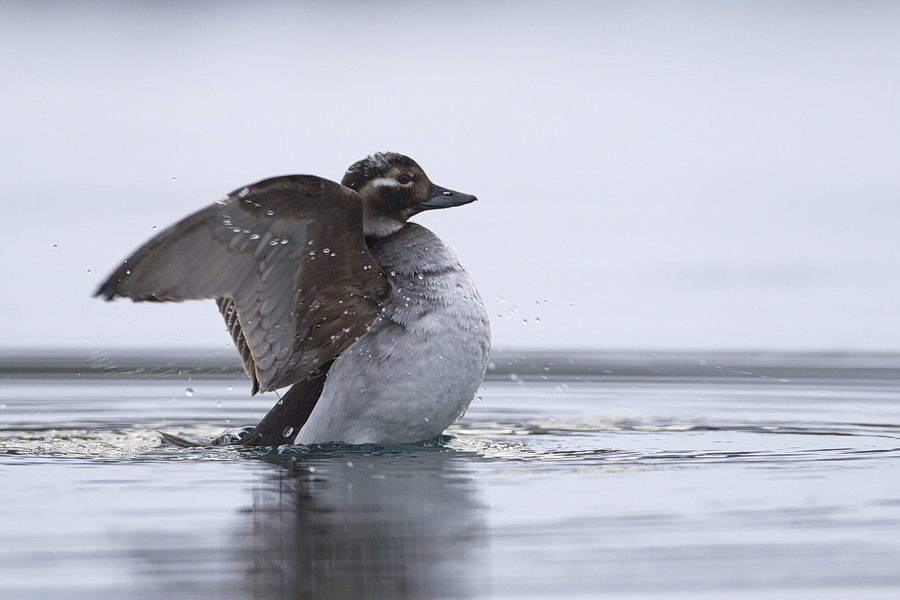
393, 188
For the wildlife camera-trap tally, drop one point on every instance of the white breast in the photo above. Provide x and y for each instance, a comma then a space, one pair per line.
420, 364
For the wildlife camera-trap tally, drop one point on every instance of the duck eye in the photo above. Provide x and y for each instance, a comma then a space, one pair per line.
404, 178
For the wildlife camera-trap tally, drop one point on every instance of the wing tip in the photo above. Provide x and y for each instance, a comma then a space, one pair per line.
108, 290
112, 289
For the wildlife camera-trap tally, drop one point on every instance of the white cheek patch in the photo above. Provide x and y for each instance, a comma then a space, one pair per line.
385, 182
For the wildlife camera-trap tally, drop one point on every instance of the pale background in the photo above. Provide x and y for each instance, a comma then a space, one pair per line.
651, 175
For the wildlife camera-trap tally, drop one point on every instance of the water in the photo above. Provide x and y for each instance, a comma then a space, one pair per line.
588, 476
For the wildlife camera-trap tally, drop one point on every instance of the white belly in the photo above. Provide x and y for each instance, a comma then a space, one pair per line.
416, 369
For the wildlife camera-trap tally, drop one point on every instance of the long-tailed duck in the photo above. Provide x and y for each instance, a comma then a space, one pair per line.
329, 289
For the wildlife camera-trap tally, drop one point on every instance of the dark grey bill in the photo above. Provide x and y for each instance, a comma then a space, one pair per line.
444, 198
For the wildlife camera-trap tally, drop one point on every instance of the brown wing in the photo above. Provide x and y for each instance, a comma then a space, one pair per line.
287, 262
233, 323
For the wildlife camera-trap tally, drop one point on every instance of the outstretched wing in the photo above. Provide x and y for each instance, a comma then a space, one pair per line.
287, 262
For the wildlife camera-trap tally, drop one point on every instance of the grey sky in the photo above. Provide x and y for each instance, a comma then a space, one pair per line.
651, 175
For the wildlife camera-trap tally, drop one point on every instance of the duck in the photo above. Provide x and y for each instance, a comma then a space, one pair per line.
328, 288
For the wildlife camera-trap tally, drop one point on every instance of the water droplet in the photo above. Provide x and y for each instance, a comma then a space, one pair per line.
421, 276
284, 241
255, 236
89, 270
189, 392
270, 212
228, 388
55, 247
2, 407
327, 250
273, 242
287, 431
537, 319
393, 273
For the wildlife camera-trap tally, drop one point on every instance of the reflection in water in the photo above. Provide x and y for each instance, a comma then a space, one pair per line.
751, 482
404, 525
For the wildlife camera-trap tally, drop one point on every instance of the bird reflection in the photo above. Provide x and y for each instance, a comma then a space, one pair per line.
366, 525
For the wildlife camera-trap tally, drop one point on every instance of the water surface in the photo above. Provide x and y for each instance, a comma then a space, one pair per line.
630, 475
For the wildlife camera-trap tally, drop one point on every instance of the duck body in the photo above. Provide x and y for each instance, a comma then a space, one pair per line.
417, 368
327, 287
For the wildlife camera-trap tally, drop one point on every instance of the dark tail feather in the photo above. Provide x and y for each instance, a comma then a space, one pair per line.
282, 424
180, 441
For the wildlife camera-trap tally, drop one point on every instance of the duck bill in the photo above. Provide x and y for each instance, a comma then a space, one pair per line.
443, 198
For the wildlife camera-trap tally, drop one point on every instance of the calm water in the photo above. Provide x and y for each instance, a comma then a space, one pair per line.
594, 476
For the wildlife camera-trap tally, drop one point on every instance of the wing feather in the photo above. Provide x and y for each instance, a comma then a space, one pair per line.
287, 263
